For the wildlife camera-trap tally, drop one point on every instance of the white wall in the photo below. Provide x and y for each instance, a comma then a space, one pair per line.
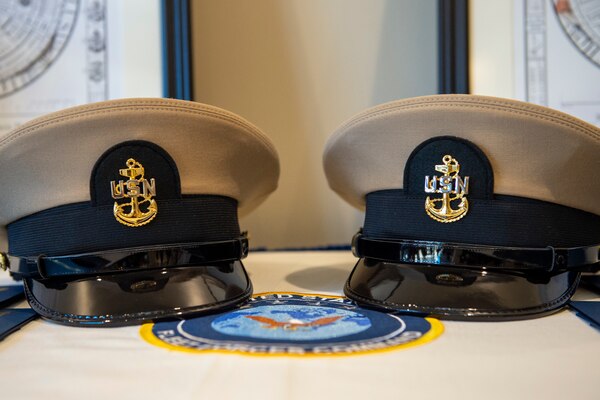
491, 47
135, 53
298, 69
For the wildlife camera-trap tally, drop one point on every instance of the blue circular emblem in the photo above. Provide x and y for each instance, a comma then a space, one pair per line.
297, 322
294, 324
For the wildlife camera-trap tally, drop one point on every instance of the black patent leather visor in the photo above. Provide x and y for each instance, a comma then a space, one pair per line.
459, 293
138, 296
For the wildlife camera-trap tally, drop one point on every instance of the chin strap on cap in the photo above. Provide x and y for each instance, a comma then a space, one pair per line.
132, 259
546, 259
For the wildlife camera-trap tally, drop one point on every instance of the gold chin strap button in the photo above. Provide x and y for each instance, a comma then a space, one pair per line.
4, 262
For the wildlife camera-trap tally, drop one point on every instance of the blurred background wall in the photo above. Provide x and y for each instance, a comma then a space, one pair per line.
298, 69
491, 48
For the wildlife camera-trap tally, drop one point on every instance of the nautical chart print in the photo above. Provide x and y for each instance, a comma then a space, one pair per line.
557, 55
53, 55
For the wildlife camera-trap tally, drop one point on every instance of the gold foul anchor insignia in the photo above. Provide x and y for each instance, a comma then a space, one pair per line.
453, 189
140, 191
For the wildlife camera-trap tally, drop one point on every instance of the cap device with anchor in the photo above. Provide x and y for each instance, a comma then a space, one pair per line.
475, 207
127, 211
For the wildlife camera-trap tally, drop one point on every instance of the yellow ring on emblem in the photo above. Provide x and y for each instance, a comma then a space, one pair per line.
437, 328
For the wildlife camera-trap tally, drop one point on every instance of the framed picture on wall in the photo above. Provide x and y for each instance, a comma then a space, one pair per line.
557, 55
544, 51
61, 53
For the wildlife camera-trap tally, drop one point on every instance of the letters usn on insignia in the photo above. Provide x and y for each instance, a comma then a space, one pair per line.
453, 189
141, 208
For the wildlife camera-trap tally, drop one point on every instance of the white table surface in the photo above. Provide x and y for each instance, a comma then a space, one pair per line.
546, 358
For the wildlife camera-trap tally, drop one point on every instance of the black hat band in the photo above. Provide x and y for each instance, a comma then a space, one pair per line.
501, 221
82, 228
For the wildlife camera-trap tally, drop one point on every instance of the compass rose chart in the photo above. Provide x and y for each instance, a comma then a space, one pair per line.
557, 55
581, 21
33, 34
54, 54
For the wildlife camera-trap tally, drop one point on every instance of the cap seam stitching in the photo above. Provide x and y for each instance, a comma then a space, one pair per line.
467, 100
122, 103
545, 117
254, 132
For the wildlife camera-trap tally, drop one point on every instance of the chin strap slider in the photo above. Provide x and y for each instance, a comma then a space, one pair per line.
4, 262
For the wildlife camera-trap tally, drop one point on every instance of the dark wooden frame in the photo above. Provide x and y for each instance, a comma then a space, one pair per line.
176, 49
453, 46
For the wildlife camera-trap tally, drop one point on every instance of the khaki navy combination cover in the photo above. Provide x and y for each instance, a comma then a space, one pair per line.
126, 211
475, 207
